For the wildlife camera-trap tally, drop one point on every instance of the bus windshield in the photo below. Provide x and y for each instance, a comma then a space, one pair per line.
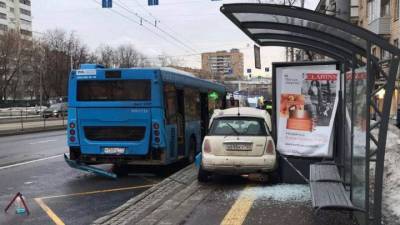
114, 90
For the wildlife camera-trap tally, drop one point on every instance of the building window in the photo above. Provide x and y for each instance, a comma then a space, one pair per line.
397, 11
25, 2
396, 43
26, 32
11, 9
2, 5
25, 12
26, 22
3, 27
372, 12
3, 16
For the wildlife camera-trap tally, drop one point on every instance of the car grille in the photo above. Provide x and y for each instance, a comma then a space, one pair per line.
115, 133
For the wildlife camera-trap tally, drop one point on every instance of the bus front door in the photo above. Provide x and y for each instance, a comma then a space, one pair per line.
204, 114
180, 122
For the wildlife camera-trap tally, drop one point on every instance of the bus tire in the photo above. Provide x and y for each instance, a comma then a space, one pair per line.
120, 170
192, 150
203, 175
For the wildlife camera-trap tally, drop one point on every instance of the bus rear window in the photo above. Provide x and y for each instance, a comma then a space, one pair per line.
114, 90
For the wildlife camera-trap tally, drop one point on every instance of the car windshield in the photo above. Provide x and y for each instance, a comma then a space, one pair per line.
238, 126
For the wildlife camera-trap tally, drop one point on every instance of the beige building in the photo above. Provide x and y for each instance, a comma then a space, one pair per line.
380, 17
223, 65
16, 15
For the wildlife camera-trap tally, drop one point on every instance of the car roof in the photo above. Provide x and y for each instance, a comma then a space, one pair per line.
244, 112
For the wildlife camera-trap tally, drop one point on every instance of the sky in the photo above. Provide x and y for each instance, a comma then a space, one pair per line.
186, 28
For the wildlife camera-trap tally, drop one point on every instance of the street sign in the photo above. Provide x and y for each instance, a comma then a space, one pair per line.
230, 71
266, 69
248, 70
152, 2
106, 3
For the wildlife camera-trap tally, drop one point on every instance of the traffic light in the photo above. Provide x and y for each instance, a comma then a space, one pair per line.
106, 4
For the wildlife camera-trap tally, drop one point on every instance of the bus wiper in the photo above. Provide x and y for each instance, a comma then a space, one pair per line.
234, 130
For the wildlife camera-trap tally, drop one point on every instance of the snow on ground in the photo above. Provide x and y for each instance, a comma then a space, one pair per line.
391, 186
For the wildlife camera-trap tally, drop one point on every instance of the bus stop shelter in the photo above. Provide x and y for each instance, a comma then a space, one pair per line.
362, 124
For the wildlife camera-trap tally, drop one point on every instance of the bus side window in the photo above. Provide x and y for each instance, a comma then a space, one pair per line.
192, 105
170, 103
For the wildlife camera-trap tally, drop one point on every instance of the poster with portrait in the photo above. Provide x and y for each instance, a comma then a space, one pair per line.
306, 111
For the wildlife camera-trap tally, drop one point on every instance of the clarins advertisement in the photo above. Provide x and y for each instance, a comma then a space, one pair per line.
306, 111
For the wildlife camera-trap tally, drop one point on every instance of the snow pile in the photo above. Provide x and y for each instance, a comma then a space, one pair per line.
278, 193
391, 186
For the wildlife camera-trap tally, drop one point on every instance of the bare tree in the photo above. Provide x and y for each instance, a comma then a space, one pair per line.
13, 62
105, 55
166, 60
127, 56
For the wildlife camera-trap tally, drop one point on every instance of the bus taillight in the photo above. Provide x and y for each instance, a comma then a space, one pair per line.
72, 139
72, 125
156, 126
72, 132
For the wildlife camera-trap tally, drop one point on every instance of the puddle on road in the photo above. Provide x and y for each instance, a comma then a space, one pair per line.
277, 193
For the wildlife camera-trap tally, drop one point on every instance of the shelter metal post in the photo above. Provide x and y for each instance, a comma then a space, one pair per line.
388, 84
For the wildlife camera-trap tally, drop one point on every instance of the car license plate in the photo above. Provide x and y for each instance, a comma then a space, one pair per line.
114, 150
238, 147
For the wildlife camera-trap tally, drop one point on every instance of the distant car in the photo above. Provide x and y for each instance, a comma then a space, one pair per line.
239, 142
55, 110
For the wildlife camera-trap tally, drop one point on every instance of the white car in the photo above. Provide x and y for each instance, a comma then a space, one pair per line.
239, 142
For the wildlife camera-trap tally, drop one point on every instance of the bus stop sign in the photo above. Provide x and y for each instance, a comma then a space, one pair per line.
152, 2
106, 4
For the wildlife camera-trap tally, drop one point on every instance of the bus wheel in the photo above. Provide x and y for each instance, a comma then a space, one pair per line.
192, 150
120, 170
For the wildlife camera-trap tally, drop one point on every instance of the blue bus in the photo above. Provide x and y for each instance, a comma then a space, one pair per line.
139, 116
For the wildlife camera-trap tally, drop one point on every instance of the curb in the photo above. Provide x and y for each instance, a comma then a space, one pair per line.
148, 201
31, 130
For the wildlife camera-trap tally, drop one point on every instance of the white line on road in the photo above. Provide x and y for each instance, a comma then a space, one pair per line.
42, 142
28, 162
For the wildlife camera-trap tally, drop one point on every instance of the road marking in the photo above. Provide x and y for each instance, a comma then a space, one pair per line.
28, 162
57, 219
49, 212
98, 191
42, 142
239, 210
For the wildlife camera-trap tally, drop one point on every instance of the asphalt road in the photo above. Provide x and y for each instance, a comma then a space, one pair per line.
56, 194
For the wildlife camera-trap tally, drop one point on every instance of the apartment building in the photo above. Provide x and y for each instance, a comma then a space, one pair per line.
223, 64
378, 16
16, 14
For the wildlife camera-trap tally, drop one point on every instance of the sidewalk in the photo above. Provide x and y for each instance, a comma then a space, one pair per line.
180, 199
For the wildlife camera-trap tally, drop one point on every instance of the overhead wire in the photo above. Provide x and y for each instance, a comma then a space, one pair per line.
138, 23
142, 19
155, 18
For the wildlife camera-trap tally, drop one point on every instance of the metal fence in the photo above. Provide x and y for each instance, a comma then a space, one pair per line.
24, 119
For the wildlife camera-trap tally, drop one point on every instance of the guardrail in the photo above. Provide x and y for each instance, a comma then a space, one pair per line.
21, 121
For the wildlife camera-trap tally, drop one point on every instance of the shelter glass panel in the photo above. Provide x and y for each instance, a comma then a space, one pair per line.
359, 160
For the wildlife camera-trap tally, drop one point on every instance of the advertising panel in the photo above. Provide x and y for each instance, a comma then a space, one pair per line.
306, 101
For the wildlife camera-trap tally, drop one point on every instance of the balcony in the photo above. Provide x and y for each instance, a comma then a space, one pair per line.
380, 25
